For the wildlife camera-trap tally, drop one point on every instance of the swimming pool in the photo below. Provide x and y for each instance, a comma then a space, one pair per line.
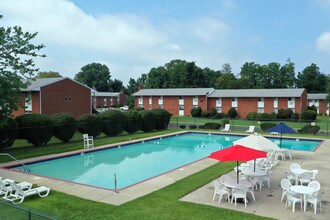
138, 162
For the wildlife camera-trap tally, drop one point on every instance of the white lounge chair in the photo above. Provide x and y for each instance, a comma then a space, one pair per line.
6, 188
17, 195
250, 130
227, 128
88, 141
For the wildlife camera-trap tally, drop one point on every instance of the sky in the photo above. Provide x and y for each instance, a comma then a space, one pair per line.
133, 36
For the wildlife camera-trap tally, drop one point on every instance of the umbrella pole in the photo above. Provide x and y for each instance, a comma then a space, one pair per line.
254, 165
237, 172
281, 141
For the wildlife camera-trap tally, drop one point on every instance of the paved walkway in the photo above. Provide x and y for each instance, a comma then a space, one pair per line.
268, 200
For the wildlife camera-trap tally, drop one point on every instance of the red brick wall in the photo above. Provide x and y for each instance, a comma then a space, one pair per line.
21, 109
304, 101
188, 105
171, 104
122, 99
53, 98
269, 105
211, 103
226, 104
246, 105
282, 103
35, 102
202, 102
322, 106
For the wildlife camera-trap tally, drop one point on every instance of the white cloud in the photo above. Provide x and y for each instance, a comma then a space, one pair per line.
323, 42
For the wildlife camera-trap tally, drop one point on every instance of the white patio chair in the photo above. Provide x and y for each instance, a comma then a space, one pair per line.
315, 172
250, 190
292, 200
6, 188
290, 176
305, 178
316, 200
220, 190
250, 130
288, 153
295, 166
17, 195
285, 184
265, 179
239, 193
227, 128
315, 185
88, 141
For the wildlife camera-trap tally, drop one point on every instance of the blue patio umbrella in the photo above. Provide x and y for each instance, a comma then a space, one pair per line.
282, 129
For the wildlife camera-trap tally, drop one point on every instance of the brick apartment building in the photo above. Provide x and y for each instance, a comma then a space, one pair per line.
320, 102
108, 99
181, 101
54, 95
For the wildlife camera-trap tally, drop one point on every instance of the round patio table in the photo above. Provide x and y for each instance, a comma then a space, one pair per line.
297, 172
303, 190
232, 183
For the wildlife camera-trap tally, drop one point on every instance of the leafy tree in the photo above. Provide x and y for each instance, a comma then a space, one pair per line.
16, 61
116, 85
312, 79
251, 72
49, 74
226, 81
95, 75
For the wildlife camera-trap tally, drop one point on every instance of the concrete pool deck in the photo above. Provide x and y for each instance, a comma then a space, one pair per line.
267, 201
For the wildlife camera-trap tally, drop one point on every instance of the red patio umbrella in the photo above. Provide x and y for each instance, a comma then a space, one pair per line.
237, 153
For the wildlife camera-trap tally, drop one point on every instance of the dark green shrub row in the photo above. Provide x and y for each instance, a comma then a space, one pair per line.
182, 126
196, 112
192, 126
64, 126
282, 114
309, 129
309, 115
215, 126
8, 132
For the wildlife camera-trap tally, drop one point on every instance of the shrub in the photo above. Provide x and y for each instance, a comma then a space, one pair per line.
90, 124
266, 126
295, 116
148, 121
134, 121
192, 126
232, 113
221, 115
213, 112
37, 129
196, 112
182, 126
225, 121
264, 117
162, 117
251, 116
308, 115
282, 114
8, 132
289, 113
308, 129
273, 115
313, 107
201, 126
205, 114
114, 122
215, 126
64, 126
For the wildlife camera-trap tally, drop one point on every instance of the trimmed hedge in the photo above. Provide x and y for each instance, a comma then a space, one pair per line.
37, 129
232, 113
133, 123
182, 126
205, 114
148, 121
215, 126
90, 124
196, 112
8, 132
221, 115
162, 117
114, 122
252, 116
192, 126
308, 115
64, 126
308, 129
213, 112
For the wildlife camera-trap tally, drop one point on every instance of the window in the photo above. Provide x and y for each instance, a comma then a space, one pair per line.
160, 106
219, 109
105, 102
260, 110
28, 102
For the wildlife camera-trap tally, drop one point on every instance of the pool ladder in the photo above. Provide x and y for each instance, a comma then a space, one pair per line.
24, 167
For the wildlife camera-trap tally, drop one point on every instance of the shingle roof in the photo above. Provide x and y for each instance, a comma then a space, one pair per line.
174, 92
36, 84
229, 93
317, 96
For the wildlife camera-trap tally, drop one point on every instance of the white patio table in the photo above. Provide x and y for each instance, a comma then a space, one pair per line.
232, 183
303, 190
297, 172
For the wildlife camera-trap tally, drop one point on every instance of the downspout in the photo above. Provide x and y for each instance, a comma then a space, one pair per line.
40, 96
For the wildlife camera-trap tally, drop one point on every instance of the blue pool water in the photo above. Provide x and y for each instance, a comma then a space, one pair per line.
134, 163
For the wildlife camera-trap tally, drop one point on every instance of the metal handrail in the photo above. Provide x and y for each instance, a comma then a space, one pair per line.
26, 169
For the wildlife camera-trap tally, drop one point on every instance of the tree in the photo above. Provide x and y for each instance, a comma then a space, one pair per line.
251, 73
96, 76
116, 85
49, 74
312, 79
16, 62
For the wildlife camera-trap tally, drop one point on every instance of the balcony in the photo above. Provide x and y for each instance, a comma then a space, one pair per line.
181, 102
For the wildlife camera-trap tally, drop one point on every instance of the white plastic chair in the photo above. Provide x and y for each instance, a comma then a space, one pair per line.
227, 128
316, 200
315, 172
305, 178
17, 195
88, 141
290, 176
221, 191
295, 166
285, 184
292, 200
266, 179
250, 190
288, 153
239, 193
250, 130
315, 185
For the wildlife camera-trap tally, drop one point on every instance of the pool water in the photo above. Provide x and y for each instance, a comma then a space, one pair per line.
137, 162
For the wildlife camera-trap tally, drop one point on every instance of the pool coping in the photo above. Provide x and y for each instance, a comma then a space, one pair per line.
106, 195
